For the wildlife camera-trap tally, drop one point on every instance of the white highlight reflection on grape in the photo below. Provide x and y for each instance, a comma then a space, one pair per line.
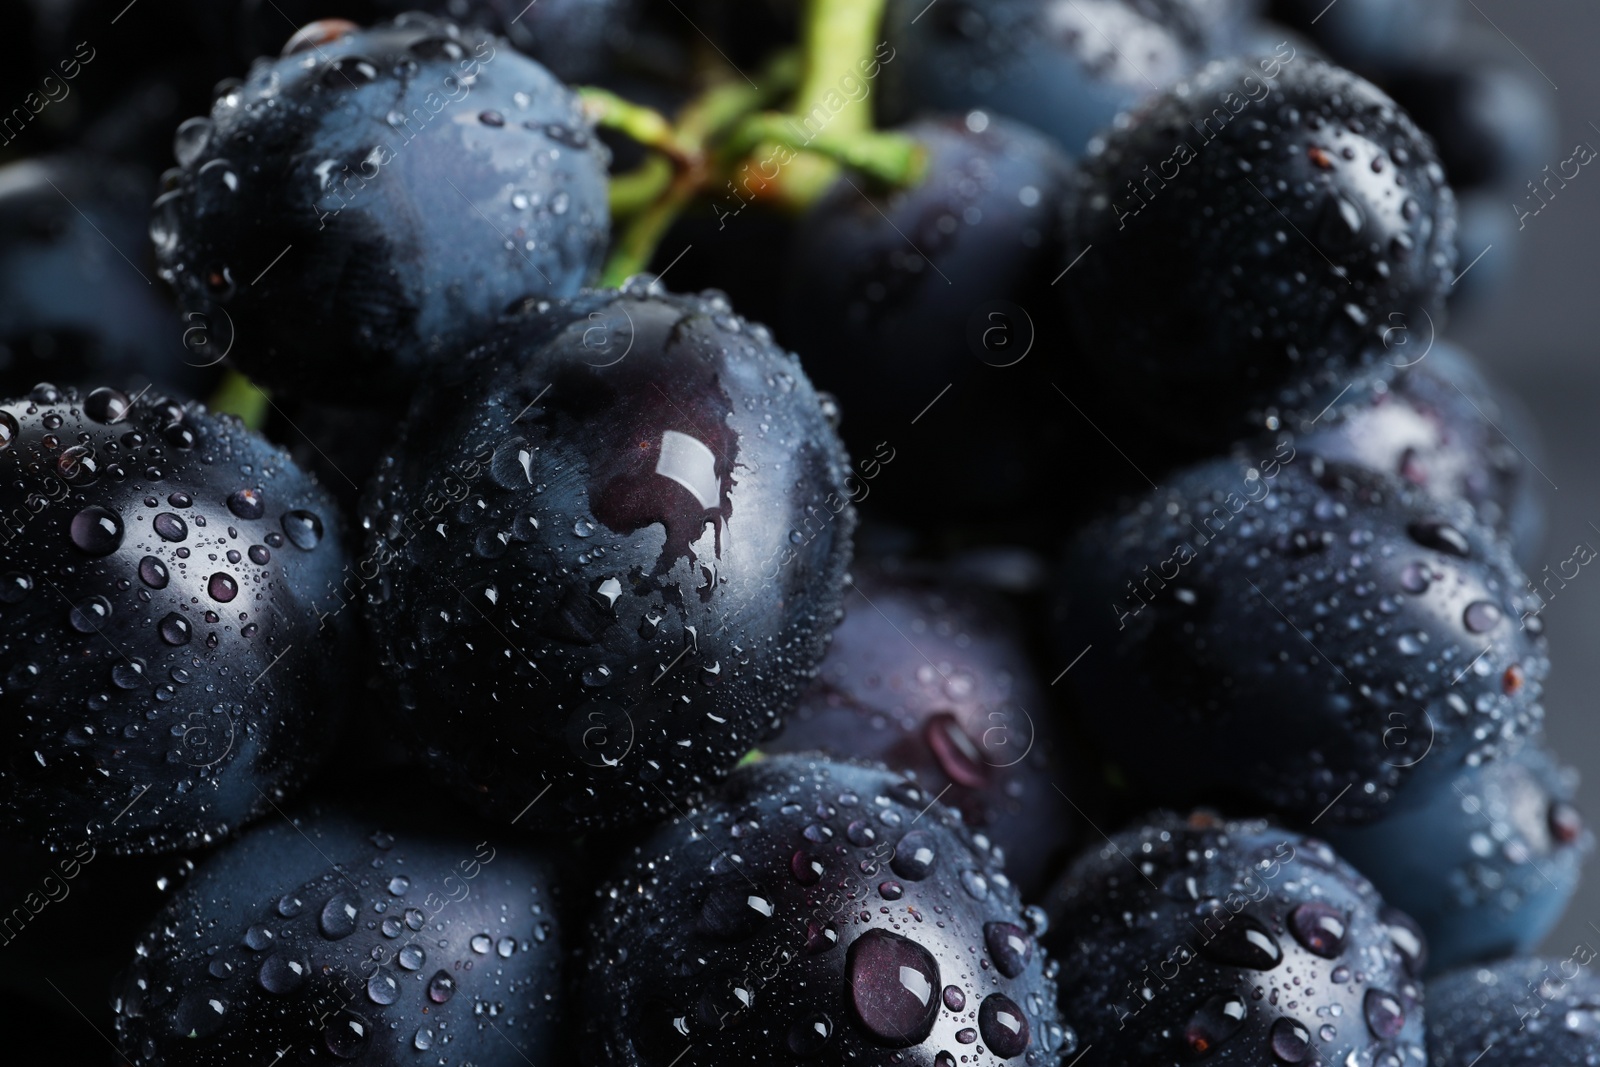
916, 983
692, 465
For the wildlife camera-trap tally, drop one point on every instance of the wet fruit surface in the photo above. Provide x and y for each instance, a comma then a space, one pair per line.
341, 158
895, 297
1543, 1010
1444, 428
575, 39
326, 942
1065, 67
1484, 858
933, 677
1276, 629
1254, 232
1232, 942
609, 570
162, 647
1143, 287
706, 937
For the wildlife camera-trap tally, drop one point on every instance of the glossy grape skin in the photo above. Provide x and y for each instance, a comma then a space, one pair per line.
1270, 628
1531, 1010
1485, 859
583, 582
931, 676
1245, 239
162, 641
808, 909
340, 936
895, 298
1235, 943
1444, 427
402, 173
1065, 67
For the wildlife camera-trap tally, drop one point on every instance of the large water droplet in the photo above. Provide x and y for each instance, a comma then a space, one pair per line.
347, 1035
153, 572
78, 465
958, 757
339, 917
914, 856
383, 989
1441, 537
735, 911
820, 937
88, 616
1385, 1015
1415, 577
314, 34
1407, 938
1319, 927
283, 974
97, 530
175, 629
1003, 1026
247, 504
303, 528
349, 72
1009, 946
1481, 616
128, 675
805, 867
189, 143
170, 527
1243, 942
14, 586
511, 466
1565, 822
810, 1035
892, 982
1217, 1020
222, 587
437, 48
201, 1014
1291, 1042
441, 987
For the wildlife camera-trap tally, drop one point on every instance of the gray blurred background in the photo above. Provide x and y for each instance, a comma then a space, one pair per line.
1538, 338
